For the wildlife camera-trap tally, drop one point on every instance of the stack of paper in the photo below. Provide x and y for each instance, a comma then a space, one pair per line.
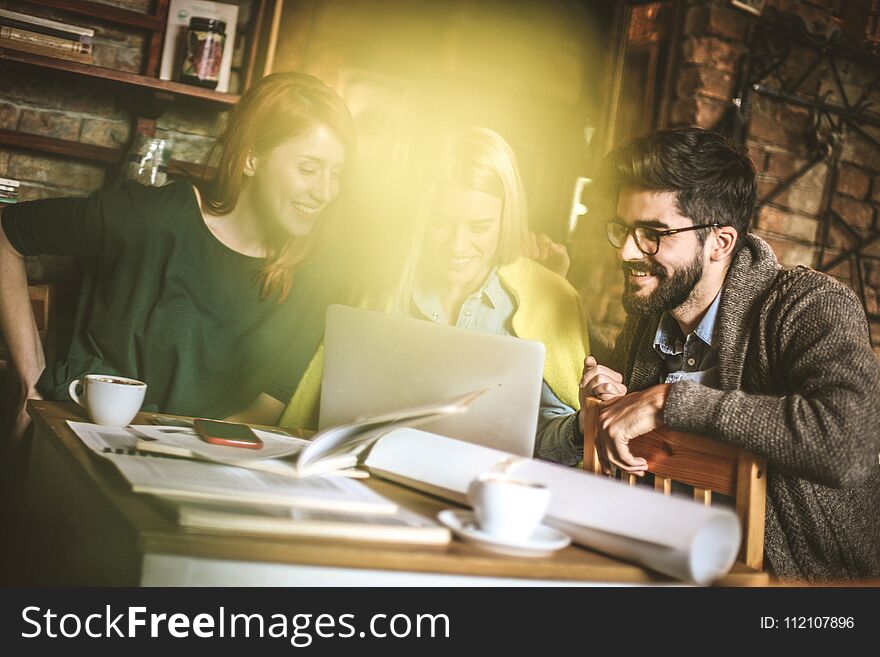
401, 527
207, 495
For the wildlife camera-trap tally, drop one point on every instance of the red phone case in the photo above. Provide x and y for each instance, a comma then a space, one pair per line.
204, 430
233, 442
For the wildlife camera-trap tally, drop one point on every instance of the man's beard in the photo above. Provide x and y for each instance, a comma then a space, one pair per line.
672, 290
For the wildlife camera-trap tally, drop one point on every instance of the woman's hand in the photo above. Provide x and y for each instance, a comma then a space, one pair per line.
22, 420
600, 382
550, 254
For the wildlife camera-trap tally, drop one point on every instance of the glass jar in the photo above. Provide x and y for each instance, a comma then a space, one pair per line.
205, 38
147, 161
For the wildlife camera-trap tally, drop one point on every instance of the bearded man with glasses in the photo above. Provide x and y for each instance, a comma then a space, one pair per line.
721, 341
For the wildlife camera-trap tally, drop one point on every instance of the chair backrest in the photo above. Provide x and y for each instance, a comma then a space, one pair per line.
43, 304
706, 464
42, 296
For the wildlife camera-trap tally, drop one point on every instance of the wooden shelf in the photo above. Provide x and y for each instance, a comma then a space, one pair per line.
92, 153
155, 96
89, 152
101, 11
121, 77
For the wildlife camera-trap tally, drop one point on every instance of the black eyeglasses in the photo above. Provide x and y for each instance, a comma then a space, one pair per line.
647, 239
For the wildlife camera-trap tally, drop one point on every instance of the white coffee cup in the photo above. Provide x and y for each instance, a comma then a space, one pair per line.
508, 508
109, 399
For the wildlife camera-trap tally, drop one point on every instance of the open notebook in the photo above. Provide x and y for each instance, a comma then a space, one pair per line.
216, 497
197, 480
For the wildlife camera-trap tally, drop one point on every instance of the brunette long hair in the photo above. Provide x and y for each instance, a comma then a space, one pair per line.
277, 108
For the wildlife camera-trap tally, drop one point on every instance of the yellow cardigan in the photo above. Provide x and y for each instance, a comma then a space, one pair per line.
548, 310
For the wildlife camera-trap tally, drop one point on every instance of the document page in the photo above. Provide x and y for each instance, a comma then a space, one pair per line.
187, 479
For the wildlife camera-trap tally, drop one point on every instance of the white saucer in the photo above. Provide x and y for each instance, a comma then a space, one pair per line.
543, 541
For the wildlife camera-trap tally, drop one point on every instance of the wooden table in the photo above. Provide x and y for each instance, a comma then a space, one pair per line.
87, 528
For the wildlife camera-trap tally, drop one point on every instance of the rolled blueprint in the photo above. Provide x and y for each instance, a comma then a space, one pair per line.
672, 535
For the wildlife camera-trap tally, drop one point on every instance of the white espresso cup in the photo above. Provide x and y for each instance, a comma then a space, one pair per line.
508, 508
109, 399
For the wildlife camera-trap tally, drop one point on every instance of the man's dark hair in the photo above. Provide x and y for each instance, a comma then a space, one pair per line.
713, 180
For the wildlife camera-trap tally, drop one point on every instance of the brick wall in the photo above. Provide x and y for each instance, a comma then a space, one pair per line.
44, 103
89, 111
779, 141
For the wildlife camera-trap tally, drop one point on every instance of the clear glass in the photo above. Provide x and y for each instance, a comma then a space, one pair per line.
147, 161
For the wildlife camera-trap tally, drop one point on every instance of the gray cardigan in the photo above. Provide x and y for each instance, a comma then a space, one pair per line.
800, 385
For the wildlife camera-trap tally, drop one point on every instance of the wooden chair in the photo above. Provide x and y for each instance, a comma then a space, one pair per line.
43, 301
706, 464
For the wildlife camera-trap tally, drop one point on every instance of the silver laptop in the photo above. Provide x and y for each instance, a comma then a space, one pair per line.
376, 363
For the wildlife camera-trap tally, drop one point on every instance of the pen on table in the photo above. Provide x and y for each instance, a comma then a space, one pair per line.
168, 421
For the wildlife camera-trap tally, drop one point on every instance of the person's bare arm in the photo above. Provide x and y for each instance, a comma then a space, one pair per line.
19, 329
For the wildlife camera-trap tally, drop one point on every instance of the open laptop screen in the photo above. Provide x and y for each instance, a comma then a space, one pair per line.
376, 363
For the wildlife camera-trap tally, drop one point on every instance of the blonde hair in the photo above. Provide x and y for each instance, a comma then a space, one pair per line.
481, 160
277, 108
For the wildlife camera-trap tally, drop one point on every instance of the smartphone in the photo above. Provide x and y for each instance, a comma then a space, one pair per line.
230, 434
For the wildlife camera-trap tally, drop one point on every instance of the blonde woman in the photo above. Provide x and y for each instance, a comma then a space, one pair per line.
470, 269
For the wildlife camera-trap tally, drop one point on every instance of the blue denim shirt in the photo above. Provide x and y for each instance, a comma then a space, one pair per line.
491, 309
691, 358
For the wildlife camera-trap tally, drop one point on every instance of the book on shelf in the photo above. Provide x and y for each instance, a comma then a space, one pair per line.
17, 34
403, 526
47, 51
48, 31
9, 190
45, 25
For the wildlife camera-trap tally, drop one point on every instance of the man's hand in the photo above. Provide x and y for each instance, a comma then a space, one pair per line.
550, 254
622, 419
600, 382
